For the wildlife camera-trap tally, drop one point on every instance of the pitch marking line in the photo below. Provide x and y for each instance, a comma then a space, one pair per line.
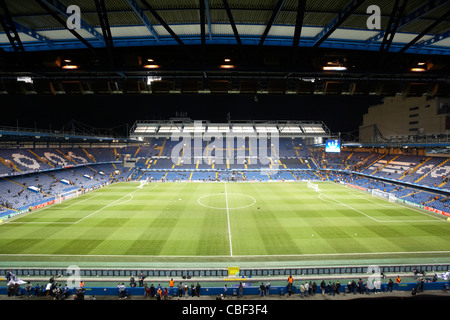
56, 208
365, 196
228, 219
374, 219
222, 256
110, 204
75, 222
229, 208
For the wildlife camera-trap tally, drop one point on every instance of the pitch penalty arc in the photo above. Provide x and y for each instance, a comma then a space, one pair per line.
226, 198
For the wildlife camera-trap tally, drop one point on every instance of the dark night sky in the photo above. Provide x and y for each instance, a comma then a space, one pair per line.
340, 113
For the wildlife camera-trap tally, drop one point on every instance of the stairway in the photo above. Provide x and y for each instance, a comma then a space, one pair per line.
384, 166
414, 169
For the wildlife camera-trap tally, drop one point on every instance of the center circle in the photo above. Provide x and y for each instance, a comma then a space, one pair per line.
226, 198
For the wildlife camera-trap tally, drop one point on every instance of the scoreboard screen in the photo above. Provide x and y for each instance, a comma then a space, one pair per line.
333, 145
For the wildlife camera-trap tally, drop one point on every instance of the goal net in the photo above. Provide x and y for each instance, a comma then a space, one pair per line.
143, 183
313, 186
67, 195
384, 195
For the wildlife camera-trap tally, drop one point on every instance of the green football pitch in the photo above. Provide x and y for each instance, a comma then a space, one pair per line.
194, 224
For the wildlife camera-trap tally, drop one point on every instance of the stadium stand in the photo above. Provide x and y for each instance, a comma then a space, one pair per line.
34, 176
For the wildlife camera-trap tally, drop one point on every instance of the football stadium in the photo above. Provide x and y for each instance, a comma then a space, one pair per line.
218, 149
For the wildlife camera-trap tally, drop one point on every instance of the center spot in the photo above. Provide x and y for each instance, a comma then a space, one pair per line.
220, 200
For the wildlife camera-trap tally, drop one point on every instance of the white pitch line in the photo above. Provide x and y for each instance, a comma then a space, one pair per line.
77, 202
350, 207
228, 218
110, 204
380, 221
221, 256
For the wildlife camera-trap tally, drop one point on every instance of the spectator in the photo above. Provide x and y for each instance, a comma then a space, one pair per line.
28, 289
390, 285
152, 291
180, 290
197, 289
141, 280
302, 290
262, 290
322, 287
314, 288
132, 282
122, 291
267, 288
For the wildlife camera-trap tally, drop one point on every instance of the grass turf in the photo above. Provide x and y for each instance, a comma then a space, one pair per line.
225, 222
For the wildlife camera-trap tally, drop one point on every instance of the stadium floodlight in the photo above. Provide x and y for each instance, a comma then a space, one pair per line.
219, 128
242, 129
146, 129
290, 129
313, 129
334, 68
262, 129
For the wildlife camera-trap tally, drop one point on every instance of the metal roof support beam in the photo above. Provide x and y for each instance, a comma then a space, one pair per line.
233, 24
336, 22
163, 23
299, 22
273, 17
431, 41
301, 5
208, 18
424, 32
141, 15
202, 23
202, 32
43, 4
430, 6
9, 28
104, 22
106, 30
33, 34
394, 21
62, 9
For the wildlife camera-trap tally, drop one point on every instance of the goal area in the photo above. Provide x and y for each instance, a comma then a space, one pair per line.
67, 195
313, 186
384, 195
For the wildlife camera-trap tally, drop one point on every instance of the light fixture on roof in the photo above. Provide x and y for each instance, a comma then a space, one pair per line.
422, 66
227, 66
148, 63
66, 63
150, 66
334, 66
70, 66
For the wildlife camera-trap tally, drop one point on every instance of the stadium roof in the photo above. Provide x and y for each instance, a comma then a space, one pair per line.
219, 40
301, 129
330, 24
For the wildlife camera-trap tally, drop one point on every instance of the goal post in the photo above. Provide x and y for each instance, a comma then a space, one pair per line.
142, 183
67, 195
384, 195
313, 186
